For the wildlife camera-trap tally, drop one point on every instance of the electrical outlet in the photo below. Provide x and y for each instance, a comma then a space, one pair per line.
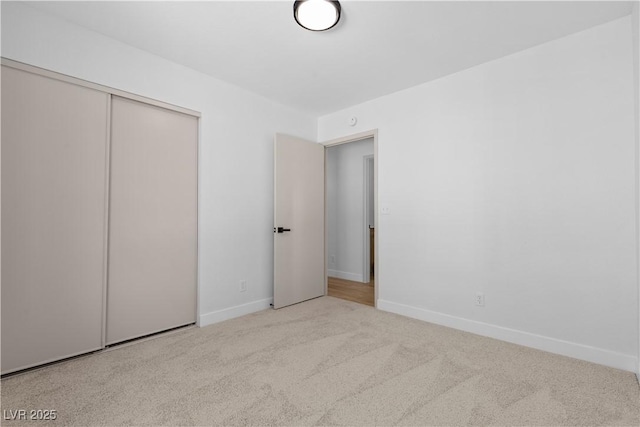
480, 299
243, 286
333, 259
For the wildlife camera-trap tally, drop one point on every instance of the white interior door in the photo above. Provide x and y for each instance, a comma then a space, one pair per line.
298, 221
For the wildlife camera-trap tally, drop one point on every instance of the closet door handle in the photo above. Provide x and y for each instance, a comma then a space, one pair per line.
281, 229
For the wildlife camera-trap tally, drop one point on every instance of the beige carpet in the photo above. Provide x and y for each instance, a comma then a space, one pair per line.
326, 362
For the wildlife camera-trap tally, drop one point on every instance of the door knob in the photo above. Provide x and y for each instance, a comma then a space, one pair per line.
281, 229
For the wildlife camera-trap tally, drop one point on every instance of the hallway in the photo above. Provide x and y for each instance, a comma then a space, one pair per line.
362, 293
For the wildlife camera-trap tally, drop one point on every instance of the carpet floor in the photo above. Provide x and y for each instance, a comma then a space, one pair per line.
325, 362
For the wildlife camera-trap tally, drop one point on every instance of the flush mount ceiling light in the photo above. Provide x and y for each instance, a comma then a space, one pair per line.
316, 15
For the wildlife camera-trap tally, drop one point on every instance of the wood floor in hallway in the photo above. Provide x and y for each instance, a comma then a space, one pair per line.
362, 293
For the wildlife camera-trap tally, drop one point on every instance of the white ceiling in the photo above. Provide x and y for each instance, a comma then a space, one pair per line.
377, 48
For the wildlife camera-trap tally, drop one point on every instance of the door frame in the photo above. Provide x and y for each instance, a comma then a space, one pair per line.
373, 133
368, 163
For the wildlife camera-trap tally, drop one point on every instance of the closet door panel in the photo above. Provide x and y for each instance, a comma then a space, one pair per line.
54, 147
153, 214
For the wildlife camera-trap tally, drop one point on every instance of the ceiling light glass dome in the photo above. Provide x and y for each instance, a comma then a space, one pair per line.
316, 15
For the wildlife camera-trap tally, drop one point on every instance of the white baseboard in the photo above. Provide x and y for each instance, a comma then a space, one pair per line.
345, 275
233, 312
552, 345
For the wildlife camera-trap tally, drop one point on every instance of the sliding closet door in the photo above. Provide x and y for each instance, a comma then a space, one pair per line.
54, 144
153, 213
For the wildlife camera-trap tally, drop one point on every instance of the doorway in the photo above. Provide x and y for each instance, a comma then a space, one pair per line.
350, 220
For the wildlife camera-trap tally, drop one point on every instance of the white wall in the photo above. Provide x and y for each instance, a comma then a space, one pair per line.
236, 147
635, 18
515, 178
345, 209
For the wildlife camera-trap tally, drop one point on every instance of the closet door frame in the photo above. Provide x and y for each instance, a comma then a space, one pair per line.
95, 86
117, 92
